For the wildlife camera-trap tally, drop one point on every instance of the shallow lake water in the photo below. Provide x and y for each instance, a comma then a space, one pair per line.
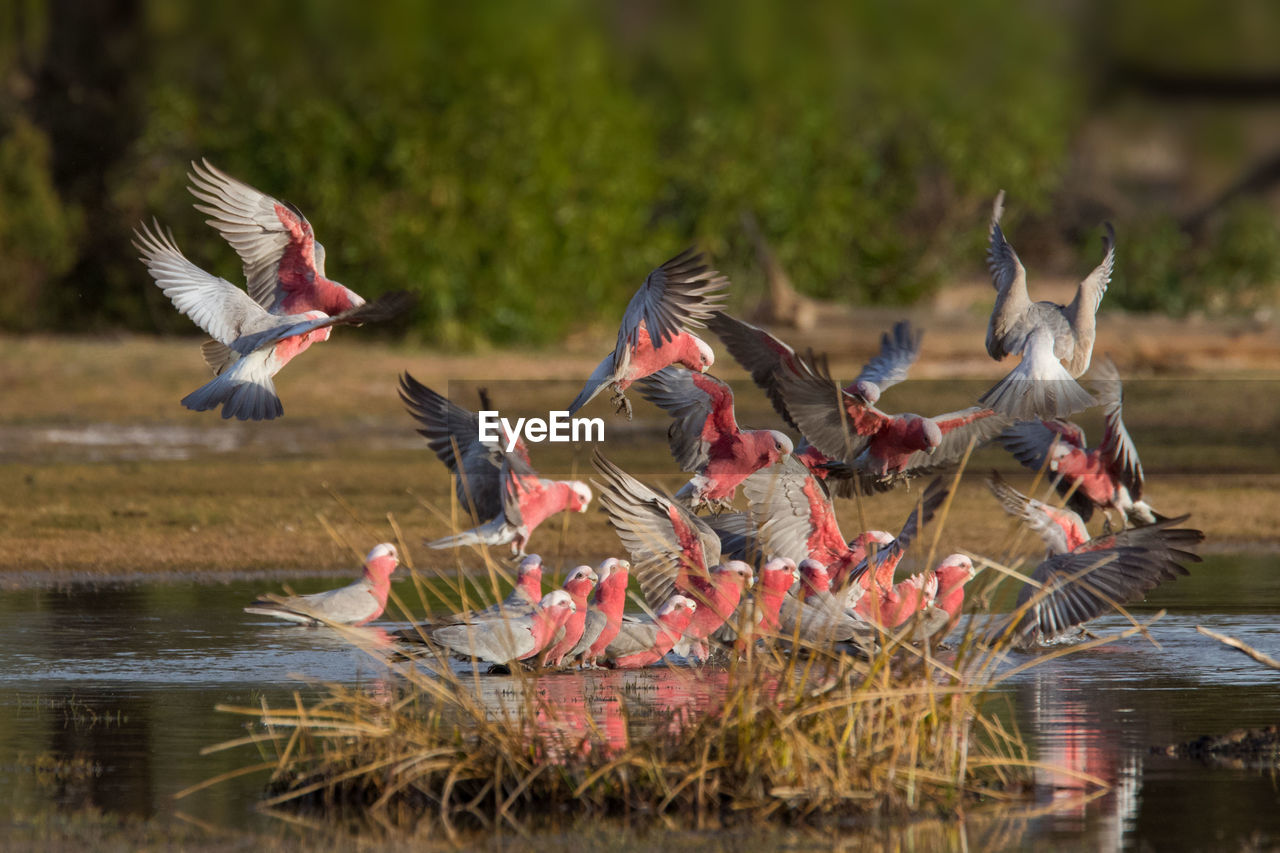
119, 681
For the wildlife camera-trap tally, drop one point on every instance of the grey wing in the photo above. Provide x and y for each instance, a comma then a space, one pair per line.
1117, 446
494, 640
446, 426
217, 306
1082, 586
672, 389
652, 527
759, 352
599, 379
1033, 512
1009, 278
738, 536
1029, 442
637, 634
898, 351
592, 627
247, 219
781, 509
682, 292
816, 403
1090, 292
955, 442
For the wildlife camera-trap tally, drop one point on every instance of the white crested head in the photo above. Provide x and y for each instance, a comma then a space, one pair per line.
583, 494
705, 353
674, 603
557, 598
959, 562
530, 563
581, 572
386, 549
782, 442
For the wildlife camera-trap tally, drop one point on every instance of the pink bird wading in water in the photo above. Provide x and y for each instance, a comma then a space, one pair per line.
818, 618
705, 438
757, 614
579, 584
355, 604
502, 639
604, 614
1108, 477
1054, 341
498, 487
673, 551
654, 333
643, 641
252, 344
952, 573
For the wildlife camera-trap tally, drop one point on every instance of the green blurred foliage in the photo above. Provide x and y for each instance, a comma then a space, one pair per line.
521, 166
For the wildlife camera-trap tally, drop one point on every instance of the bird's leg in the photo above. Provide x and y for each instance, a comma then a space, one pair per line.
621, 403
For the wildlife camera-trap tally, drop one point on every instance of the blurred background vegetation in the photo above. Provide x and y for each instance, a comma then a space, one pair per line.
521, 166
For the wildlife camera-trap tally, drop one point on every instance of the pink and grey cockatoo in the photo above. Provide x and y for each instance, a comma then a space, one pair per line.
643, 641
757, 614
354, 604
579, 584
654, 333
765, 357
883, 449
952, 573
898, 604
705, 438
1055, 341
498, 486
1070, 589
1107, 477
502, 639
521, 601
1061, 529
794, 518
604, 611
672, 550
818, 617
476, 466
253, 344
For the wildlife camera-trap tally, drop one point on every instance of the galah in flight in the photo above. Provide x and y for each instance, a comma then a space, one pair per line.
765, 356
502, 639
1060, 528
354, 604
678, 295
1069, 589
705, 438
644, 641
884, 449
1108, 477
254, 343
497, 486
1054, 341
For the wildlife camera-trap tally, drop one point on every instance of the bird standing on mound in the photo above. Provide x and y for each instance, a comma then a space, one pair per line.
681, 293
355, 604
1055, 341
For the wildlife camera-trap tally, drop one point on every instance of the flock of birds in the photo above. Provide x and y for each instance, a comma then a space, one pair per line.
714, 580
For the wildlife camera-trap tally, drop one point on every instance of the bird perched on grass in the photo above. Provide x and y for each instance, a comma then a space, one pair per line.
654, 333
1055, 341
354, 604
